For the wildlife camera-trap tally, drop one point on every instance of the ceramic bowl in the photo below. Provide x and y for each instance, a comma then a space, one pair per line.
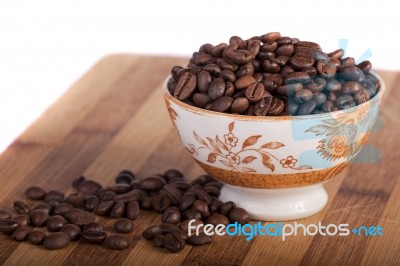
274, 166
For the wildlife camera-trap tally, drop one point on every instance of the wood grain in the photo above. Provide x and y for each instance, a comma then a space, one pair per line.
114, 118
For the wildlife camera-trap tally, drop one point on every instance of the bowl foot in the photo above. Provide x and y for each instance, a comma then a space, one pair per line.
281, 204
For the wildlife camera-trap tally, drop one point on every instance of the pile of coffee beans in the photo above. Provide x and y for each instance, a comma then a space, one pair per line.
271, 75
53, 219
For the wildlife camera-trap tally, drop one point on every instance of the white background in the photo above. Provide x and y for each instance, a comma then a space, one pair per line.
46, 45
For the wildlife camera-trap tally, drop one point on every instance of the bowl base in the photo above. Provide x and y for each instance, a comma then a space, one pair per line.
281, 204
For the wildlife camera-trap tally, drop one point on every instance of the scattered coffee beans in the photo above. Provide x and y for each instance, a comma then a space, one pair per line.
271, 76
73, 216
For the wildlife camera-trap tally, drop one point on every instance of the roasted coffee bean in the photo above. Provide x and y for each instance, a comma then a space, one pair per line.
302, 96
311, 45
117, 242
203, 196
351, 87
271, 37
91, 202
365, 66
146, 203
237, 56
262, 107
227, 65
326, 69
229, 89
277, 107
203, 58
201, 180
240, 105
247, 69
255, 92
285, 50
327, 106
158, 241
94, 236
270, 66
217, 218
316, 85
21, 233
192, 213
171, 215
160, 203
120, 188
78, 217
124, 179
200, 240
56, 241
104, 208
76, 199
38, 218
217, 50
212, 191
203, 81
55, 223
258, 77
297, 77
4, 215
201, 207
22, 219
351, 73
361, 96
337, 54
35, 193
345, 101
292, 107
76, 182
290, 89
89, 187
73, 231
106, 195
239, 215
172, 192
173, 243
319, 98
127, 197
348, 61
284, 40
226, 208
132, 210
8, 226
320, 56
21, 207
244, 82
286, 70
307, 108
300, 61
333, 85
215, 206
152, 183
117, 210
222, 104
228, 75
123, 226
336, 62
36, 237
152, 232
186, 86
95, 226
186, 201
172, 174
311, 71
43, 206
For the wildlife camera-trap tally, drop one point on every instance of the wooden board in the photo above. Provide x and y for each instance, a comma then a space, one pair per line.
114, 118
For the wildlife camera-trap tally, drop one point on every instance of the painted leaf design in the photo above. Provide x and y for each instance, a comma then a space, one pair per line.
231, 126
332, 122
249, 159
200, 140
212, 157
250, 141
214, 145
221, 144
319, 130
247, 170
227, 163
272, 145
266, 160
305, 167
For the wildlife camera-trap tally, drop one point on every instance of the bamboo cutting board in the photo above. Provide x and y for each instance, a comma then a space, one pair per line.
114, 118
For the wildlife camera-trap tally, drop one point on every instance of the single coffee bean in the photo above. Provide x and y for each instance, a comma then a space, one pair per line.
365, 66
55, 241
36, 237
186, 86
186, 201
94, 226
320, 56
351, 87
201, 207
5, 215
255, 92
222, 104
43, 206
158, 241
316, 85
270, 66
262, 107
284, 40
53, 194
54, 202
73, 231
117, 210
192, 213
289, 90
38, 218
125, 177
337, 54
22, 219
348, 61
345, 101
78, 217
55, 223
229, 89
271, 37
237, 56
172, 192
8, 226
239, 215
326, 69
327, 106
213, 191
299, 61
201, 180
297, 77
201, 99
277, 107
217, 50
160, 203
21, 233
128, 197
171, 215
258, 77
333, 85
307, 108
227, 65
173, 243
77, 181
228, 75
311, 71
302, 96
361, 96
61, 208
319, 98
89, 187
76, 199
247, 69
351, 73
203, 196
204, 80
285, 50
120, 188
215, 206
244, 82
132, 210
336, 62
104, 208
35, 193
91, 202
94, 236
123, 225
311, 45
226, 208
21, 207
217, 218
152, 183
286, 70
152, 232
202, 59
117, 242
106, 195
240, 105
200, 240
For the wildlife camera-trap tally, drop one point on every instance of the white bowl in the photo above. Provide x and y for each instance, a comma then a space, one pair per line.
274, 166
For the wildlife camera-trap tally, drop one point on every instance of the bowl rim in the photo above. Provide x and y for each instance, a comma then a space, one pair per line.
340, 113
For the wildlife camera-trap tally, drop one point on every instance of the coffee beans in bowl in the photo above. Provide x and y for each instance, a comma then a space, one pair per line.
272, 75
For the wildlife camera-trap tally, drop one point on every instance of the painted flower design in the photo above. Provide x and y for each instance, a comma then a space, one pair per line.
234, 158
289, 162
230, 139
